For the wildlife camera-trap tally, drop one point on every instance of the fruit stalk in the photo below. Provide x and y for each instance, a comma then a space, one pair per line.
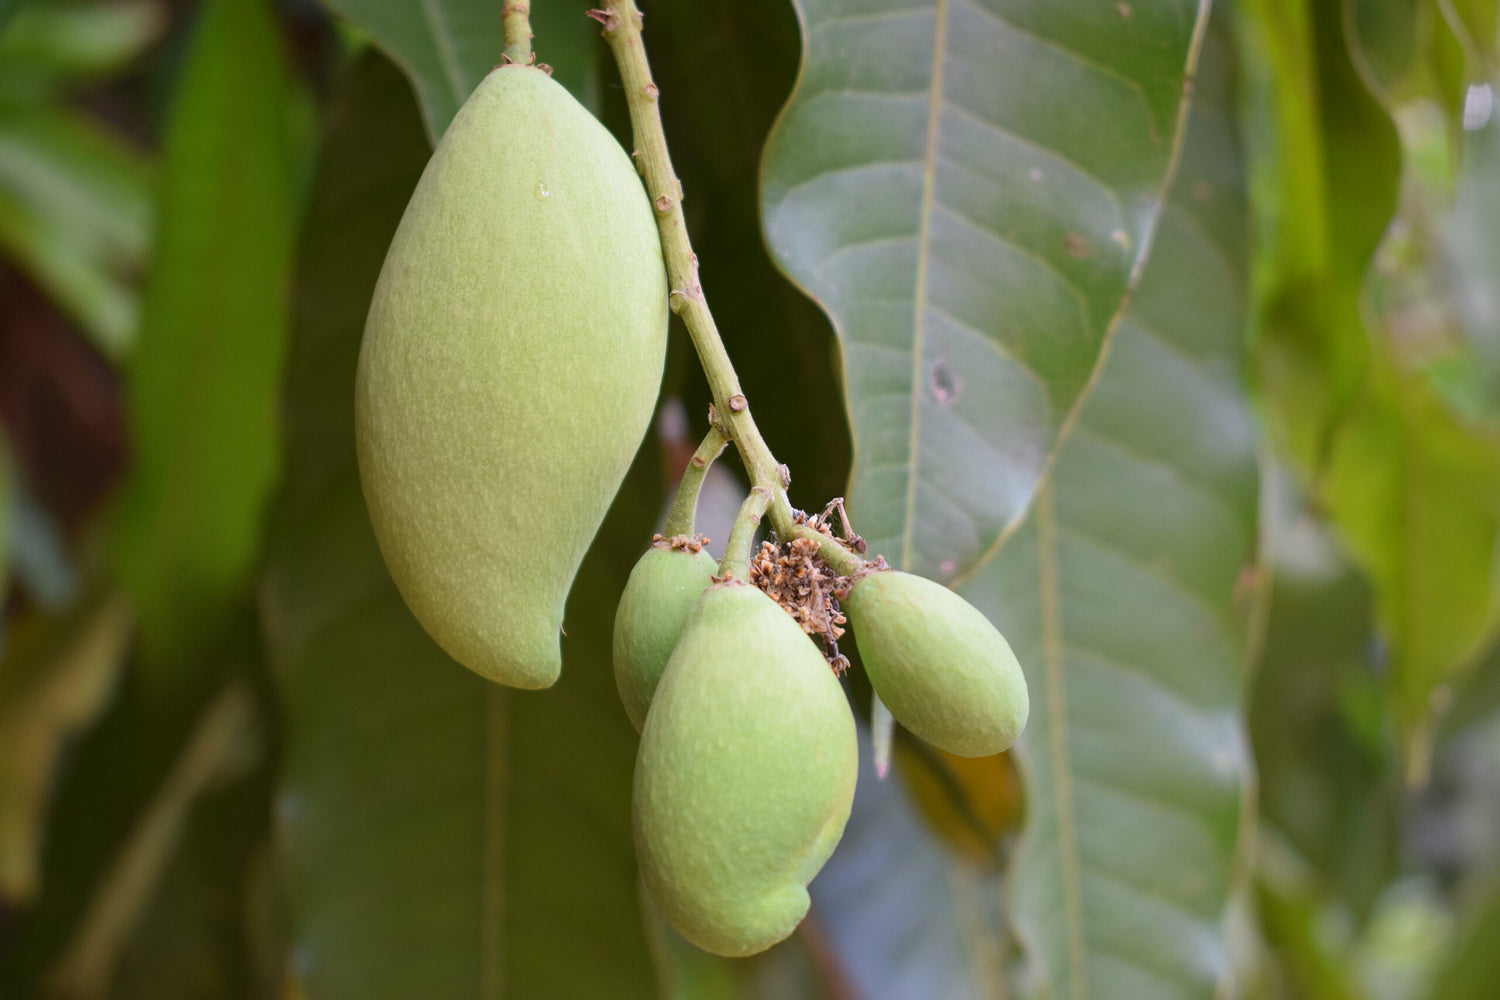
736, 562
622, 30
515, 22
684, 509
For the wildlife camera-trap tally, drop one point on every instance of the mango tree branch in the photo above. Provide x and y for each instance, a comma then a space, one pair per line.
622, 30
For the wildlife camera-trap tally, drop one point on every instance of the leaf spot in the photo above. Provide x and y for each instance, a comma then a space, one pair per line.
1078, 246
946, 385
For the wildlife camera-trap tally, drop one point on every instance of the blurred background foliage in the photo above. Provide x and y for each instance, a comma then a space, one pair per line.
1170, 337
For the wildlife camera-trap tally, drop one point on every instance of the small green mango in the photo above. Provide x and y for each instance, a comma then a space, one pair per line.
942, 669
663, 587
510, 365
744, 776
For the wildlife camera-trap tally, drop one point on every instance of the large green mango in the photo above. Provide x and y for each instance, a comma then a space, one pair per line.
510, 365
942, 669
744, 776
660, 594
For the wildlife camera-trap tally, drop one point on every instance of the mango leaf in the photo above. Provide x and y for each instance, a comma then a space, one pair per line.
1326, 161
445, 837
212, 338
1121, 596
1416, 495
76, 214
969, 189
446, 47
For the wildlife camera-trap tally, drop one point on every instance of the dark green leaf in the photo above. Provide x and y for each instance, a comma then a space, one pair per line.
969, 189
1124, 596
446, 837
212, 339
447, 46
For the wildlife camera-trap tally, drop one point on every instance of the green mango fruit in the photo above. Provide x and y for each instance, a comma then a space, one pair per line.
744, 776
663, 588
942, 669
509, 369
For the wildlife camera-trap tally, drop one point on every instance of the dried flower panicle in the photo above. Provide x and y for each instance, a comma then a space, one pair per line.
795, 577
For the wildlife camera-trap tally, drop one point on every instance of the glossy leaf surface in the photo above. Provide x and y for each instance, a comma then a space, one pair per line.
1122, 597
968, 188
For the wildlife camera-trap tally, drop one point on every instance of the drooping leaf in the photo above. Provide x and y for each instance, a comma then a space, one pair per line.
56, 678
1416, 496
212, 338
1121, 596
1325, 165
76, 214
446, 47
968, 188
445, 836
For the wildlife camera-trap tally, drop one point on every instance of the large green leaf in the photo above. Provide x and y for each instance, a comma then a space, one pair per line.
447, 46
446, 837
968, 188
1120, 597
213, 331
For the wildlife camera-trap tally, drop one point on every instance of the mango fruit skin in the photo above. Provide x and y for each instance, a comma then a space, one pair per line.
509, 369
943, 670
744, 776
662, 590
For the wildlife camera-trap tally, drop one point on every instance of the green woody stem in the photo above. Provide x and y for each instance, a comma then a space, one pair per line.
515, 20
622, 30
736, 561
685, 504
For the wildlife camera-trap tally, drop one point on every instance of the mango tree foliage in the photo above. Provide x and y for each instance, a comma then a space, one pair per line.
969, 189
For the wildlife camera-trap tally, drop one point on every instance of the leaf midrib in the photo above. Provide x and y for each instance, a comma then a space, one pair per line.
919, 295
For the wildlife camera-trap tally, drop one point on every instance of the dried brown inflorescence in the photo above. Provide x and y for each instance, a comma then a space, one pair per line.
796, 577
